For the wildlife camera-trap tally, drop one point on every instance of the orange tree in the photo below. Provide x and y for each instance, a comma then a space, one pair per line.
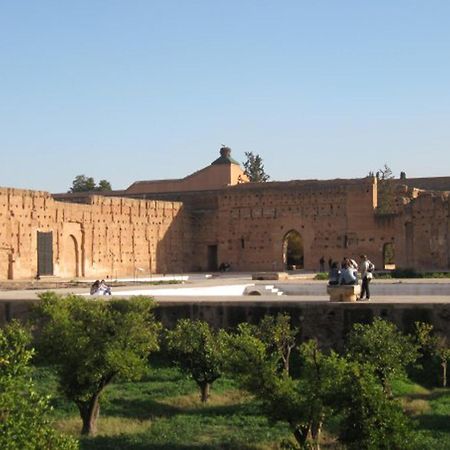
92, 342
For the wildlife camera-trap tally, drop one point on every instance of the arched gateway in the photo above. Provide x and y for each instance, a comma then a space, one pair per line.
293, 257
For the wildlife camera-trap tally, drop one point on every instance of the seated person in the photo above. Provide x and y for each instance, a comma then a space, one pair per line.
104, 289
347, 275
224, 267
94, 287
333, 275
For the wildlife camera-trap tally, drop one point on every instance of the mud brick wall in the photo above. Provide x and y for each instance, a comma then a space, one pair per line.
424, 228
106, 237
334, 218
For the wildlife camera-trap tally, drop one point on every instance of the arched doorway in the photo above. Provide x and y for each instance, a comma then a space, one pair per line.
388, 256
293, 257
72, 258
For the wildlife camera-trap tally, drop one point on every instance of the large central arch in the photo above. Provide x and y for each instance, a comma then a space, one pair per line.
293, 256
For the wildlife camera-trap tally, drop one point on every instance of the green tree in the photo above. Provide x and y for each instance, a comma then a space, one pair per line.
254, 168
279, 336
386, 194
259, 367
103, 185
369, 419
383, 346
82, 183
197, 349
23, 412
434, 345
90, 343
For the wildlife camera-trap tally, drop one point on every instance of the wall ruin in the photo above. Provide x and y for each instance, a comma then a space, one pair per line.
107, 237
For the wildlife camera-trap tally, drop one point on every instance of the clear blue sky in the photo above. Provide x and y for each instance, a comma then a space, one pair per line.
130, 90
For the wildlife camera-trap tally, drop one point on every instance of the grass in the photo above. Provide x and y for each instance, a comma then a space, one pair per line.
163, 411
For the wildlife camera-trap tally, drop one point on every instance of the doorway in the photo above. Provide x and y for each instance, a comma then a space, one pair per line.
212, 258
44, 253
293, 257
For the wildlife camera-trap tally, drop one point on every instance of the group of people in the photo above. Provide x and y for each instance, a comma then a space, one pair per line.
347, 273
100, 288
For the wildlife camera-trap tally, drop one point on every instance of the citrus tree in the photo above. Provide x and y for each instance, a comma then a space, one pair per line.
93, 342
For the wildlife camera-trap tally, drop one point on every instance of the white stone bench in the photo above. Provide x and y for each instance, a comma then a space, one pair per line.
344, 292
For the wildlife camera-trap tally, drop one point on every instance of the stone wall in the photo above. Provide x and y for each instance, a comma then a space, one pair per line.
334, 218
425, 228
106, 237
326, 322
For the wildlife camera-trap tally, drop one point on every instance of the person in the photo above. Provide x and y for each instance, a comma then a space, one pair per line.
94, 287
104, 289
354, 265
322, 264
333, 275
347, 275
367, 268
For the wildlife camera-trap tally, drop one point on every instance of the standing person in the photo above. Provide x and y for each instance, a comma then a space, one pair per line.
366, 275
322, 264
333, 276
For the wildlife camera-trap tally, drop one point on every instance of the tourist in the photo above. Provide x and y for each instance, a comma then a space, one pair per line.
94, 287
366, 275
333, 275
322, 264
347, 275
104, 289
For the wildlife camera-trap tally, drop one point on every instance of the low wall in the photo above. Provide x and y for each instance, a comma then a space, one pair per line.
327, 322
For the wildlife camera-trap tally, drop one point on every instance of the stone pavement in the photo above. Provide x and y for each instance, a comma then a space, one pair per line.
216, 289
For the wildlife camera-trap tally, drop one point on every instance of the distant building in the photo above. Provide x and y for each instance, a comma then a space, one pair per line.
216, 216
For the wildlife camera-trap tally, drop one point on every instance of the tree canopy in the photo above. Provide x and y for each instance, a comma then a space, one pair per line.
254, 168
197, 349
82, 183
92, 342
23, 412
384, 346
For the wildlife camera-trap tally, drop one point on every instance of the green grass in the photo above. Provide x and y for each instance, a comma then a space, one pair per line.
163, 411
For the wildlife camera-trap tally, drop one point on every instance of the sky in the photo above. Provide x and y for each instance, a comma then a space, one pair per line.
146, 89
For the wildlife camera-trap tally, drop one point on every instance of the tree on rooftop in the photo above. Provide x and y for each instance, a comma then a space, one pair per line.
82, 183
103, 185
23, 412
386, 194
254, 168
92, 342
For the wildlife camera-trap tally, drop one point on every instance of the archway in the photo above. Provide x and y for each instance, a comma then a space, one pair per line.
388, 256
293, 257
72, 257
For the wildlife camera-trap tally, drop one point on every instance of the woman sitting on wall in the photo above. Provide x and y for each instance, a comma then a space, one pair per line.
347, 275
333, 275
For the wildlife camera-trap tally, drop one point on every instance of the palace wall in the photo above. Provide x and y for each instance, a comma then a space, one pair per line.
425, 229
104, 237
334, 218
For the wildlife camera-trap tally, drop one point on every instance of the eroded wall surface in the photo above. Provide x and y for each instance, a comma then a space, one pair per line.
106, 237
334, 218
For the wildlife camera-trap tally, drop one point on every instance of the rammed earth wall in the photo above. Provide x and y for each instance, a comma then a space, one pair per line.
104, 237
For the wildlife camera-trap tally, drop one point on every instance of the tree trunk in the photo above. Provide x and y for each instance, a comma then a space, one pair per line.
316, 429
301, 435
89, 412
204, 389
444, 373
